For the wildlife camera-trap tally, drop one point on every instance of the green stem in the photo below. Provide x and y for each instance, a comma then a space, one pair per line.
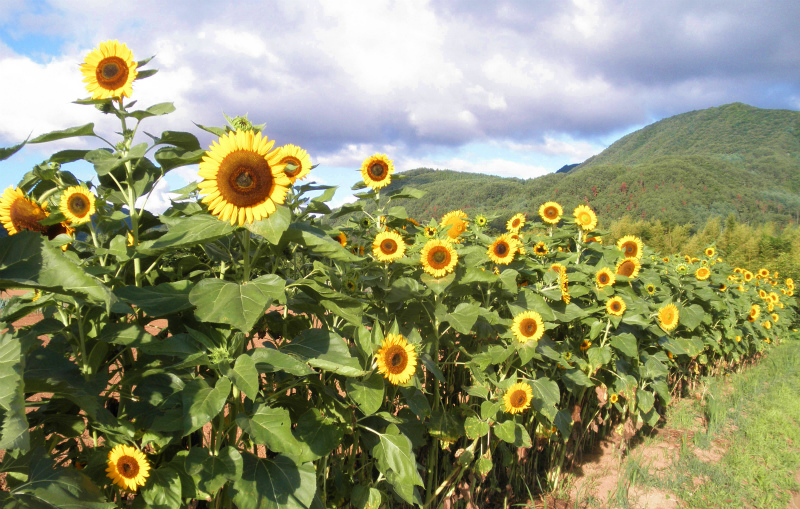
246, 253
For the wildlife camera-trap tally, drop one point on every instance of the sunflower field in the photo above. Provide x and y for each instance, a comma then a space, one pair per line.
236, 351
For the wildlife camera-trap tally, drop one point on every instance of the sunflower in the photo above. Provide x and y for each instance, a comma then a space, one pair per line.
767, 325
774, 297
755, 311
109, 71
377, 171
528, 326
770, 306
762, 272
585, 345
613, 399
748, 276
516, 222
481, 220
351, 285
615, 306
604, 277
738, 339
631, 246
397, 360
585, 217
651, 289
388, 246
557, 268
341, 238
77, 204
702, 273
564, 283
244, 178
597, 239
438, 258
296, 160
628, 267
503, 249
520, 244
551, 212
456, 221
518, 398
710, 252
540, 249
774, 317
127, 467
668, 317
430, 232
18, 212
665, 259
723, 288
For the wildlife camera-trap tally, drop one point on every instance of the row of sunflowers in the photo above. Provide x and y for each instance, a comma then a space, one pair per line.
238, 351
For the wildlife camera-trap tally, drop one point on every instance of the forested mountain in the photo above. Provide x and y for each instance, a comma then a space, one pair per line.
733, 159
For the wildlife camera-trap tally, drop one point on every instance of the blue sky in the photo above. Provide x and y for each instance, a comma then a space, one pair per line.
507, 88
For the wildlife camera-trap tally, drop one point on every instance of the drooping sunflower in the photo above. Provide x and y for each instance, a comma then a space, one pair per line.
457, 222
540, 249
296, 160
377, 170
585, 218
557, 268
516, 222
438, 258
668, 317
109, 71
244, 178
397, 360
503, 249
528, 326
551, 212
127, 467
18, 212
631, 246
628, 267
563, 281
702, 273
615, 306
518, 398
710, 252
77, 205
604, 277
388, 246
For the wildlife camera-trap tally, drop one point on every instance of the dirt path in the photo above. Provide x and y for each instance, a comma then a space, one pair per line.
794, 503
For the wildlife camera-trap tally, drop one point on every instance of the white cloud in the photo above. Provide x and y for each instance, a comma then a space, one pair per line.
159, 199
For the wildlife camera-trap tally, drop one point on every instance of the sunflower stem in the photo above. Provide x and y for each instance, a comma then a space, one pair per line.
246, 253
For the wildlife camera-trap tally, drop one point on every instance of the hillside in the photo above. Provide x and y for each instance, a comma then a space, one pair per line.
733, 159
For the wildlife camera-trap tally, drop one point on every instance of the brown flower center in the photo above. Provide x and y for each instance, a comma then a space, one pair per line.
78, 205
501, 249
244, 178
551, 212
388, 246
528, 327
397, 359
616, 306
630, 248
626, 268
293, 165
112, 73
518, 398
439, 257
603, 278
127, 467
377, 171
515, 223
26, 215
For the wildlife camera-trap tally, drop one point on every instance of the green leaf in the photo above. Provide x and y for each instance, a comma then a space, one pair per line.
272, 228
5, 153
364, 497
271, 427
154, 110
691, 316
326, 350
405, 192
318, 242
161, 300
163, 489
563, 422
317, 435
214, 471
84, 130
274, 483
269, 360
174, 157
245, 375
201, 403
180, 139
240, 306
397, 464
332, 301
187, 232
475, 428
546, 396
438, 284
575, 377
367, 393
513, 433
463, 317
626, 345
644, 400
13, 423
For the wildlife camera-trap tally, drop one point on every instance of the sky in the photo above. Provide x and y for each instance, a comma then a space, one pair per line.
515, 89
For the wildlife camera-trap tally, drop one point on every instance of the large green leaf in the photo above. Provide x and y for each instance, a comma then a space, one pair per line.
188, 231
13, 423
326, 350
317, 435
272, 228
84, 130
546, 396
464, 317
367, 393
336, 302
625, 344
213, 470
271, 427
245, 375
161, 300
397, 464
201, 403
691, 316
28, 261
274, 483
238, 305
153, 111
513, 433
5, 153
269, 360
163, 489
319, 242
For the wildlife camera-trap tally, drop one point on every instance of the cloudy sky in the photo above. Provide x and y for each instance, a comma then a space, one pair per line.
507, 88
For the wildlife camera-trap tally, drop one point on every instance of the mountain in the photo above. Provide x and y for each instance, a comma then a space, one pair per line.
732, 159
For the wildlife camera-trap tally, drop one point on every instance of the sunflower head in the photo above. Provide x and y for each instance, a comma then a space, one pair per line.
18, 212
615, 306
762, 272
668, 317
518, 398
710, 252
77, 205
585, 345
481, 220
296, 161
604, 277
528, 326
388, 246
702, 273
430, 232
755, 311
127, 467
342, 238
351, 285
109, 71
651, 289
438, 257
613, 399
503, 249
540, 249
551, 212
748, 276
628, 267
457, 222
585, 218
516, 222
377, 170
244, 178
396, 359
665, 259
631, 246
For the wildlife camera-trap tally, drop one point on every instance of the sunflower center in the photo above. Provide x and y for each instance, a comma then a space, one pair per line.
515, 224
377, 171
127, 467
626, 269
439, 256
629, 248
551, 212
528, 327
293, 166
615, 306
26, 215
518, 398
388, 246
78, 205
585, 219
397, 359
603, 278
501, 249
244, 178
112, 73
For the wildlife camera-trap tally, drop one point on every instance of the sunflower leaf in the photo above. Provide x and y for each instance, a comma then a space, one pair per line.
272, 228
397, 464
163, 489
326, 350
271, 427
367, 393
84, 130
5, 153
153, 111
513, 433
201, 403
187, 232
240, 306
274, 483
145, 74
13, 423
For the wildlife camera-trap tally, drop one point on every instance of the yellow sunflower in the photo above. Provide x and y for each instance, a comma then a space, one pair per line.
528, 326
388, 246
244, 178
748, 276
631, 246
397, 360
604, 277
557, 268
77, 205
342, 238
702, 273
296, 160
503, 249
767, 325
755, 311
585, 217
430, 232
668, 317
762, 272
551, 212
481, 220
540, 249
457, 222
710, 252
18, 212
351, 285
438, 258
585, 345
762, 293
377, 171
518, 398
109, 71
516, 222
651, 289
615, 306
127, 467
564, 283
628, 267
774, 297
774, 317
613, 399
